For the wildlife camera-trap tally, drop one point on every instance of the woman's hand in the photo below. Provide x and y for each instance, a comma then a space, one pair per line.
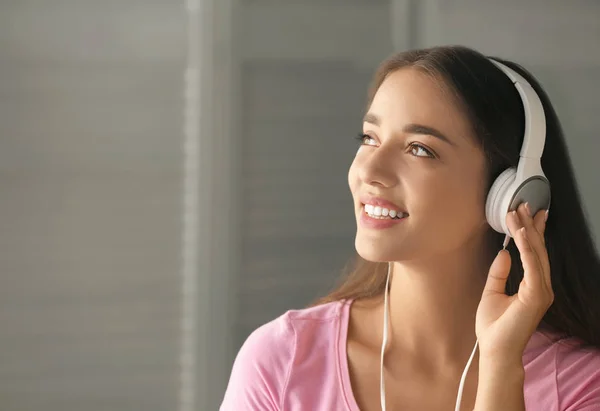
504, 324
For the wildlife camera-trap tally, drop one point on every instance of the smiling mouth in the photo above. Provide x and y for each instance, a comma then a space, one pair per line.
383, 213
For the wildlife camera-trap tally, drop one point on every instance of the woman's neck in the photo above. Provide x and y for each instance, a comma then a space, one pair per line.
433, 303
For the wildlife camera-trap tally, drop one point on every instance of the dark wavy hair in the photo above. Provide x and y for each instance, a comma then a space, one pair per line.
495, 111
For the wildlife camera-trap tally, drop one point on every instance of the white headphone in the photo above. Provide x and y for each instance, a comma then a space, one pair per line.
525, 183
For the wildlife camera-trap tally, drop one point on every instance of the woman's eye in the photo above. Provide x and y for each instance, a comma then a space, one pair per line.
366, 139
415, 149
418, 150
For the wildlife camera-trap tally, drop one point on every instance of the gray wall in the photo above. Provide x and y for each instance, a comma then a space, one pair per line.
90, 179
92, 172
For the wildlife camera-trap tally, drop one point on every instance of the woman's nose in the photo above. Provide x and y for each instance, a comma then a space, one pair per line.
378, 168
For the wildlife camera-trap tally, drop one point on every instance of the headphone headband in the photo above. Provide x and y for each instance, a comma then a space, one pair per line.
535, 120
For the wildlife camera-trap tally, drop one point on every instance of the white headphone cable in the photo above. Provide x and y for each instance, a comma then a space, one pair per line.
385, 335
464, 377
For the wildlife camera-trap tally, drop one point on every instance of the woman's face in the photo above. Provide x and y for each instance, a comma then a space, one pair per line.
419, 161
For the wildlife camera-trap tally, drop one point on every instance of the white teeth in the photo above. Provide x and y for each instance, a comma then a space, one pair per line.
382, 212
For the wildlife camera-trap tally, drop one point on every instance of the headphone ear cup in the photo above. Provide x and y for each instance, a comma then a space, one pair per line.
494, 213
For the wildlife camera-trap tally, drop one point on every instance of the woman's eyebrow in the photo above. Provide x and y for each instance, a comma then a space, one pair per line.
411, 128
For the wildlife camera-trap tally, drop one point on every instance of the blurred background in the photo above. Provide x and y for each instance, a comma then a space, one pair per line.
173, 175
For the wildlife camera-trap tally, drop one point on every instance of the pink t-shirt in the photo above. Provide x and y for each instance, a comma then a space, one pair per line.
299, 362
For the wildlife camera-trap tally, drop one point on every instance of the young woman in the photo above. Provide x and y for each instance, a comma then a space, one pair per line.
441, 125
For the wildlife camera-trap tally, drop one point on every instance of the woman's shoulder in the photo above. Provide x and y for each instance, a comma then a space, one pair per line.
263, 366
565, 351
296, 324
565, 371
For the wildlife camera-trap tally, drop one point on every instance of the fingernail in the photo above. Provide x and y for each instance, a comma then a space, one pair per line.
546, 216
528, 209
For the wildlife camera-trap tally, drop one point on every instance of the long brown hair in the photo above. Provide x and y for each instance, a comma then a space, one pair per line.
495, 111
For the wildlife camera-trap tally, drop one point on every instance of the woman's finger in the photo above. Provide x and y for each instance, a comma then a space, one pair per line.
533, 275
539, 221
532, 252
498, 274
536, 240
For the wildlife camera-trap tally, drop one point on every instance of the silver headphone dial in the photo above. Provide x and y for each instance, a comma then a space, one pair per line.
535, 191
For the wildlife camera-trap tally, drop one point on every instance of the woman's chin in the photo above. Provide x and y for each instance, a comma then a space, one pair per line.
377, 252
